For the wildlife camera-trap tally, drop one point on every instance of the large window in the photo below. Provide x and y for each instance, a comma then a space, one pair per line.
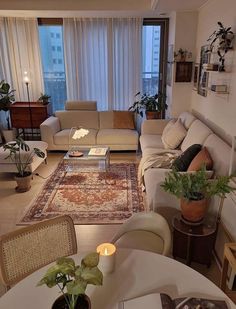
51, 43
153, 54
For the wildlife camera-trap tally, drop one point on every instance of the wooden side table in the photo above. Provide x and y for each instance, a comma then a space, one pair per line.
229, 259
194, 243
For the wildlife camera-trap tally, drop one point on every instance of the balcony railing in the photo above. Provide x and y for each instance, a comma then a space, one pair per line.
150, 82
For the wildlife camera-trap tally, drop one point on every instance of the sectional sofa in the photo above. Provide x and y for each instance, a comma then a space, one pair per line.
115, 129
197, 133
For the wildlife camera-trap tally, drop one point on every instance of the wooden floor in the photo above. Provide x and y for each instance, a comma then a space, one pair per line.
13, 205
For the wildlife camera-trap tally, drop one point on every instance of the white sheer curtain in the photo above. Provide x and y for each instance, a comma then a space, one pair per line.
103, 60
20, 52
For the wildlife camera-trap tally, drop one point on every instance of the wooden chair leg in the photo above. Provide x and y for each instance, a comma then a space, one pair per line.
224, 274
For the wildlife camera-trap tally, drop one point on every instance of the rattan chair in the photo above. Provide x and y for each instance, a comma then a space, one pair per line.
27, 249
145, 231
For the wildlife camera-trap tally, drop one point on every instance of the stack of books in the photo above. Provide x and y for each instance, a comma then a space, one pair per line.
210, 66
219, 88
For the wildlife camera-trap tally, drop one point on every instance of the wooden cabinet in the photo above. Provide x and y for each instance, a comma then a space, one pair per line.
23, 113
194, 242
183, 72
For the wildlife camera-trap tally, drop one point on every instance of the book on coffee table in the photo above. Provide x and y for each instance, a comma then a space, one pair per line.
97, 151
164, 301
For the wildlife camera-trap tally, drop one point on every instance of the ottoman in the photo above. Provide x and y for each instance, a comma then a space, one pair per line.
7, 166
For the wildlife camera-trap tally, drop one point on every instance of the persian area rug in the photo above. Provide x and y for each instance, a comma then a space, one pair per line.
89, 197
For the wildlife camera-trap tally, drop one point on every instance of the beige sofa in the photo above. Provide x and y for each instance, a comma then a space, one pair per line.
197, 133
56, 129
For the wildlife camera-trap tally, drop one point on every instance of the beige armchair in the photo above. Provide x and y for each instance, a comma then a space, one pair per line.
27, 249
146, 231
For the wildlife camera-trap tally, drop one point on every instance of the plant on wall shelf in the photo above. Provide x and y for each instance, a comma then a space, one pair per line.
222, 40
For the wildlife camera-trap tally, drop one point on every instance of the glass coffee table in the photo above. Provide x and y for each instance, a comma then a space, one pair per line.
86, 159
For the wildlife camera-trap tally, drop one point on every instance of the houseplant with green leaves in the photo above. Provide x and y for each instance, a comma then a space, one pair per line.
44, 98
74, 279
21, 155
7, 97
152, 105
194, 190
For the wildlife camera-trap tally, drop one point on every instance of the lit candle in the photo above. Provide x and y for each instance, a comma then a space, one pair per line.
106, 257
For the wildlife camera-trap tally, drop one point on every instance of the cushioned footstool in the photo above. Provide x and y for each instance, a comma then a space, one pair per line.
7, 166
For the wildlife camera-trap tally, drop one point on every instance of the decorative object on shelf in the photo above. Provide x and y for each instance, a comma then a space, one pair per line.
194, 191
183, 72
107, 253
21, 155
75, 278
75, 134
6, 98
182, 55
153, 105
203, 75
223, 39
44, 98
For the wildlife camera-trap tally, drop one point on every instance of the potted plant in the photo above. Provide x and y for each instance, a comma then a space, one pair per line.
224, 38
74, 278
44, 98
195, 190
21, 155
6, 99
153, 105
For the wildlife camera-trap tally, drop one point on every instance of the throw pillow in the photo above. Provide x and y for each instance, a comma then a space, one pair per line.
182, 163
202, 158
174, 135
123, 120
167, 127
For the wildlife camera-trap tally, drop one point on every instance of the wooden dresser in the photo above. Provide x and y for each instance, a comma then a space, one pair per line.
20, 114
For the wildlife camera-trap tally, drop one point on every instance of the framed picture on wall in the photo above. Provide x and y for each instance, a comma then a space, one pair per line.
203, 75
196, 76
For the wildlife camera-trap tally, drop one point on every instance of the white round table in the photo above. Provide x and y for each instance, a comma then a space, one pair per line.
137, 273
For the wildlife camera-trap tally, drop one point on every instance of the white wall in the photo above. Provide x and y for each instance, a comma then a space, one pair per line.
219, 109
182, 33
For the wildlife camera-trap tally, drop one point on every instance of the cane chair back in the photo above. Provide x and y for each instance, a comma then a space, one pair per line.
27, 249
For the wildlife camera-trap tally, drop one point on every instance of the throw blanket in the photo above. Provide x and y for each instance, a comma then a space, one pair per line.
161, 159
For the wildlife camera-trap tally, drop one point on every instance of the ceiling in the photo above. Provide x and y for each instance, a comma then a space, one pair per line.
73, 7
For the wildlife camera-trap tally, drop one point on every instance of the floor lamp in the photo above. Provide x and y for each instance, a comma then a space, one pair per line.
26, 80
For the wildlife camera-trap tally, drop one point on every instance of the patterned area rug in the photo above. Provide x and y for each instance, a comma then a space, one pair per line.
89, 197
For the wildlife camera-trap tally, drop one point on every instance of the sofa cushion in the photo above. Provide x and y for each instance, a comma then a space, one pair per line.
187, 119
106, 119
220, 153
197, 134
62, 138
174, 135
202, 158
117, 136
75, 118
123, 120
150, 141
182, 163
81, 105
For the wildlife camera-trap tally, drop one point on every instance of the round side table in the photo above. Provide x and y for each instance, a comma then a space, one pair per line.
194, 243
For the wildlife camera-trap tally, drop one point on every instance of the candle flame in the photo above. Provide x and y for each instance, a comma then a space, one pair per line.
105, 251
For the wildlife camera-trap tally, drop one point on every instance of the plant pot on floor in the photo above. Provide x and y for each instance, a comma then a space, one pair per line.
23, 183
193, 210
83, 302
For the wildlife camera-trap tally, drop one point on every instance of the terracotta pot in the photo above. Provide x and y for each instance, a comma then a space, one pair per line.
193, 210
153, 115
83, 302
23, 183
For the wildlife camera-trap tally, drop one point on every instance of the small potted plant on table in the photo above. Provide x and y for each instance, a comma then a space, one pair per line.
195, 190
153, 105
21, 155
65, 274
44, 98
